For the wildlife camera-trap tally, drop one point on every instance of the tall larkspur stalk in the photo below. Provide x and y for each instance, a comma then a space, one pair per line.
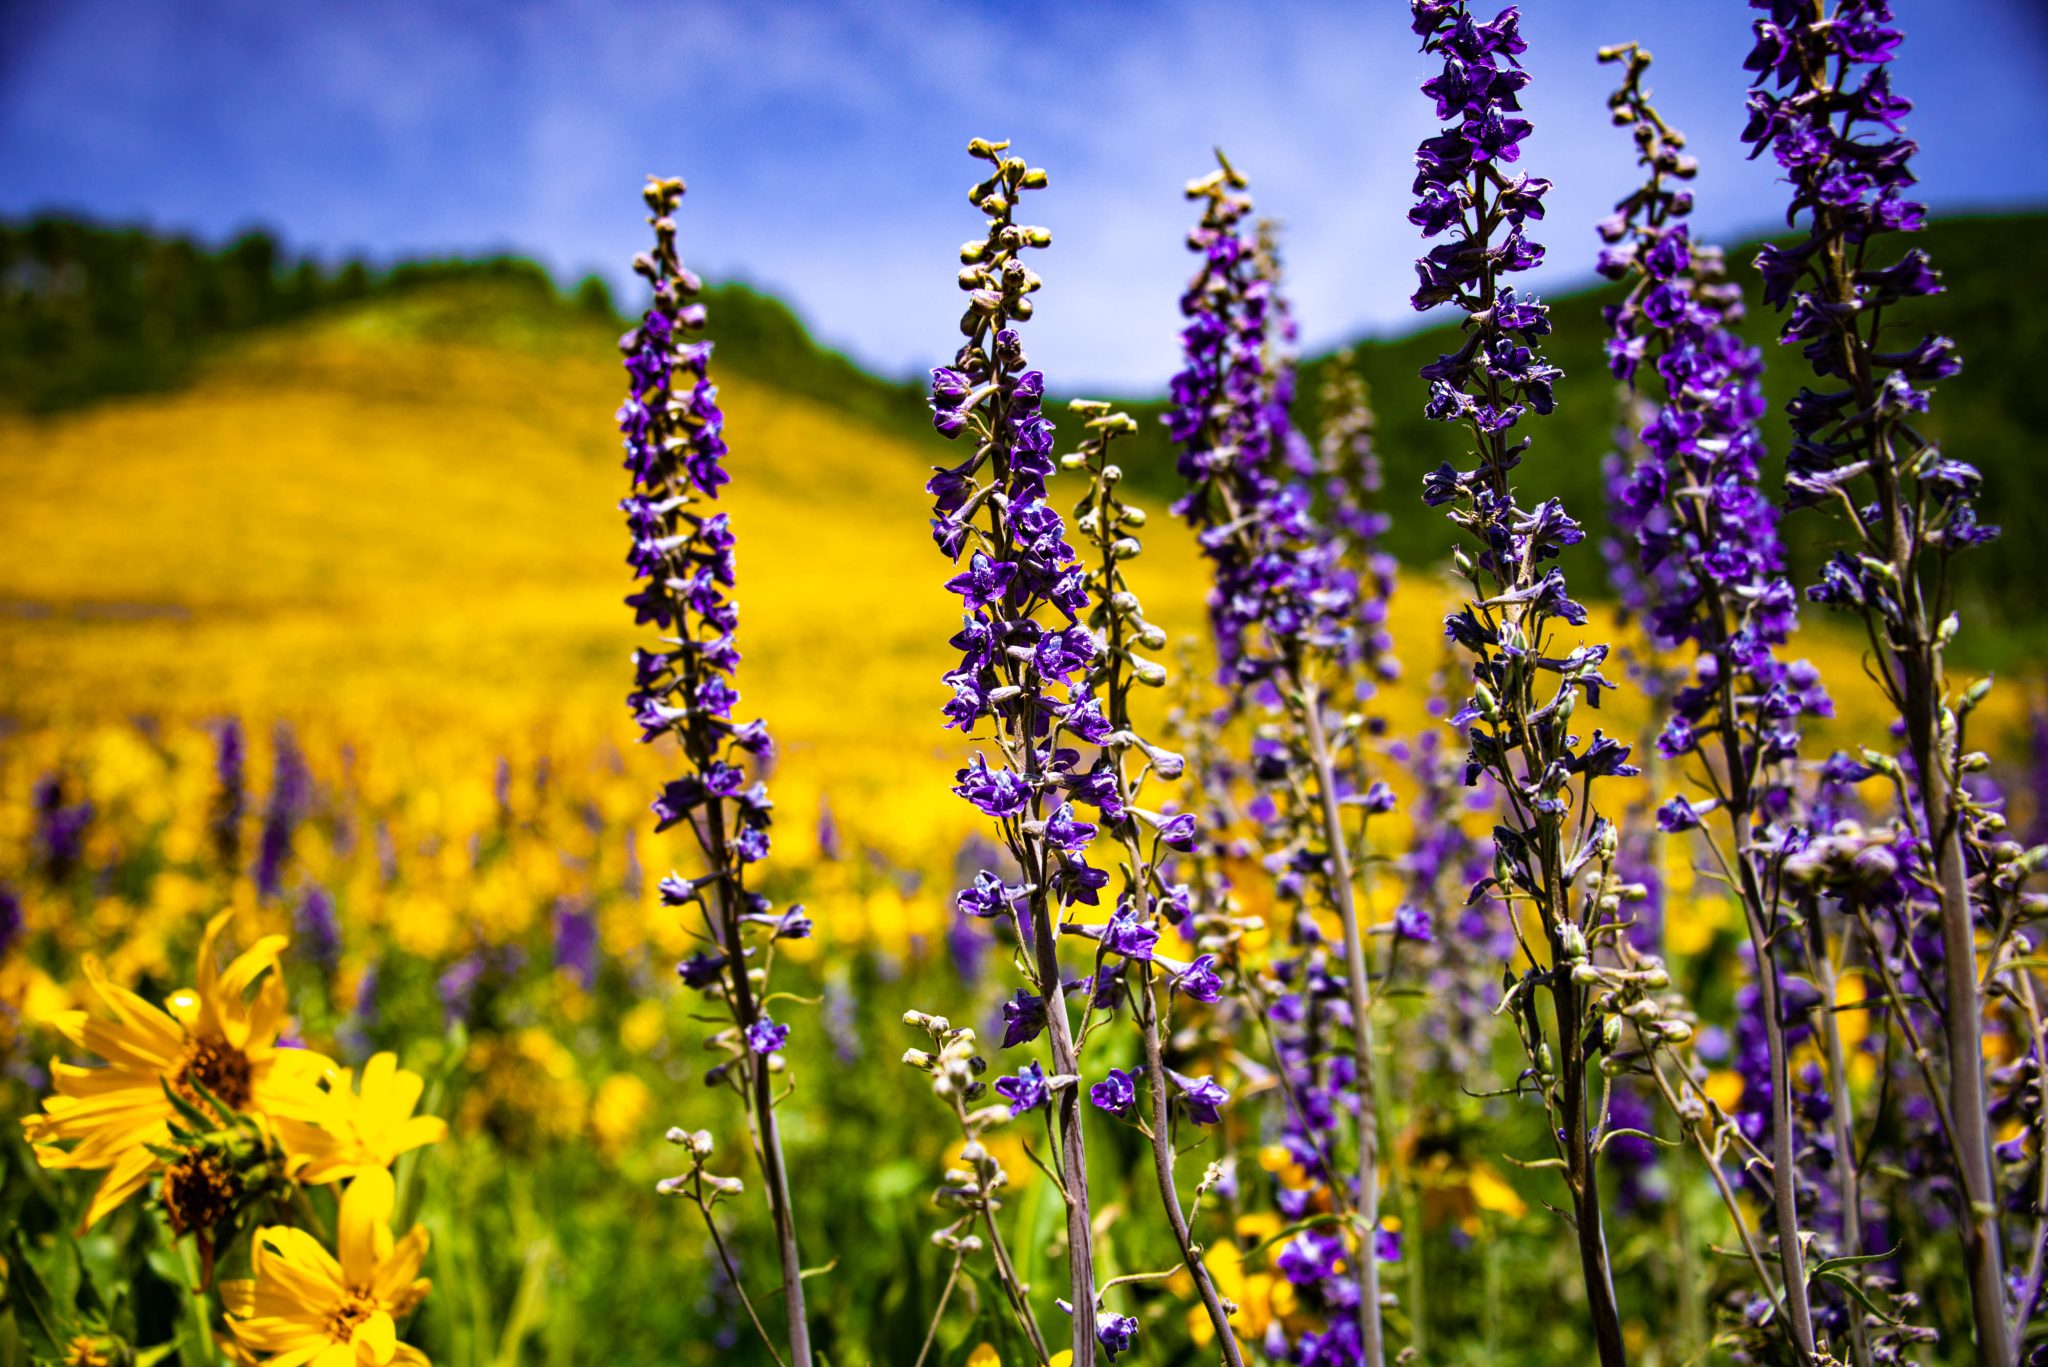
682, 554
1823, 104
1713, 574
1025, 657
1126, 765
1283, 616
1349, 468
1464, 189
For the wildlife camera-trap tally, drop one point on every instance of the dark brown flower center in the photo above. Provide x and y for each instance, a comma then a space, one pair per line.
199, 1191
217, 1066
343, 1319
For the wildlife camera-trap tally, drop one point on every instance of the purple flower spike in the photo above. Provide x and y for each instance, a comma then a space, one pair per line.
1530, 665
682, 554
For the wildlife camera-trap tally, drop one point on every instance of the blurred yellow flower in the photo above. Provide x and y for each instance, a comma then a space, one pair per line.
342, 1133
984, 1355
1259, 1225
619, 1111
641, 1029
1492, 1192
1724, 1088
215, 1037
306, 1308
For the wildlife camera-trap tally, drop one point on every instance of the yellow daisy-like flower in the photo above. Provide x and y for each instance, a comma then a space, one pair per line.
216, 1036
344, 1133
305, 1307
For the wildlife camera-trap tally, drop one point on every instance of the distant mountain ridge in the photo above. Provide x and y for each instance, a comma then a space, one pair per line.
89, 312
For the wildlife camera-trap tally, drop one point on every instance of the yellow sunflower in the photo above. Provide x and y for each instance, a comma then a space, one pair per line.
307, 1308
216, 1036
344, 1133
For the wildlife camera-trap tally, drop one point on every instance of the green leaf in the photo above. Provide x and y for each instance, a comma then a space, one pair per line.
1854, 1288
45, 1332
1852, 1260
1637, 1134
86, 1296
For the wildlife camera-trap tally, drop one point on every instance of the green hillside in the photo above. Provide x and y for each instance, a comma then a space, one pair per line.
1989, 415
88, 312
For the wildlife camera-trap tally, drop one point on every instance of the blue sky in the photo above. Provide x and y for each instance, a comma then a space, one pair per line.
823, 142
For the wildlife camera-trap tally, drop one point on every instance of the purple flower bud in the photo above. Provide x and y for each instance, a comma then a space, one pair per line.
701, 969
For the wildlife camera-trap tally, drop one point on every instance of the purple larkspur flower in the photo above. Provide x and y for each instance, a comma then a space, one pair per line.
576, 941
1199, 980
1129, 936
1023, 1018
1117, 1093
1118, 1333
1310, 1256
701, 969
60, 828
230, 796
1026, 1091
1200, 1096
1413, 923
291, 792
318, 934
764, 1036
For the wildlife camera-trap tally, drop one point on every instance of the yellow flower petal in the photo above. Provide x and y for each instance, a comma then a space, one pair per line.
365, 1221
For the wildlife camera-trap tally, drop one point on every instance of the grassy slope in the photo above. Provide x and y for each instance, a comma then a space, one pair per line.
409, 504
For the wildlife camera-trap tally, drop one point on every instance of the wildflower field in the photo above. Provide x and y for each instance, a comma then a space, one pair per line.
1148, 923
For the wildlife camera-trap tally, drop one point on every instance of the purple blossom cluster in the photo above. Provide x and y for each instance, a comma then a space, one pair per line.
61, 828
1713, 577
291, 793
683, 559
1550, 833
1286, 616
1707, 539
1279, 597
1149, 900
231, 795
1026, 656
1822, 104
